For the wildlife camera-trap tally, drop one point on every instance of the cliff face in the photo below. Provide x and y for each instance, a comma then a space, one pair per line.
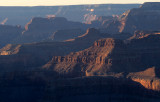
153, 84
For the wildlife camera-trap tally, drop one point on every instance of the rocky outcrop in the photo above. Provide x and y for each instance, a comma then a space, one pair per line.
148, 83
149, 78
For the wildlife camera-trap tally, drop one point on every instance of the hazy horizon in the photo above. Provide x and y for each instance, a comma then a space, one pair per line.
67, 2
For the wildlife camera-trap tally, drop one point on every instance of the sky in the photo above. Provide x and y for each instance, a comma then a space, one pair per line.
66, 2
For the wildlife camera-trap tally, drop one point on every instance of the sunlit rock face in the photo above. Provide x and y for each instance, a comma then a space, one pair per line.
153, 84
148, 78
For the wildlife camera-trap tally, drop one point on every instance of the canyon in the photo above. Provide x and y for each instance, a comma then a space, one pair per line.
110, 58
